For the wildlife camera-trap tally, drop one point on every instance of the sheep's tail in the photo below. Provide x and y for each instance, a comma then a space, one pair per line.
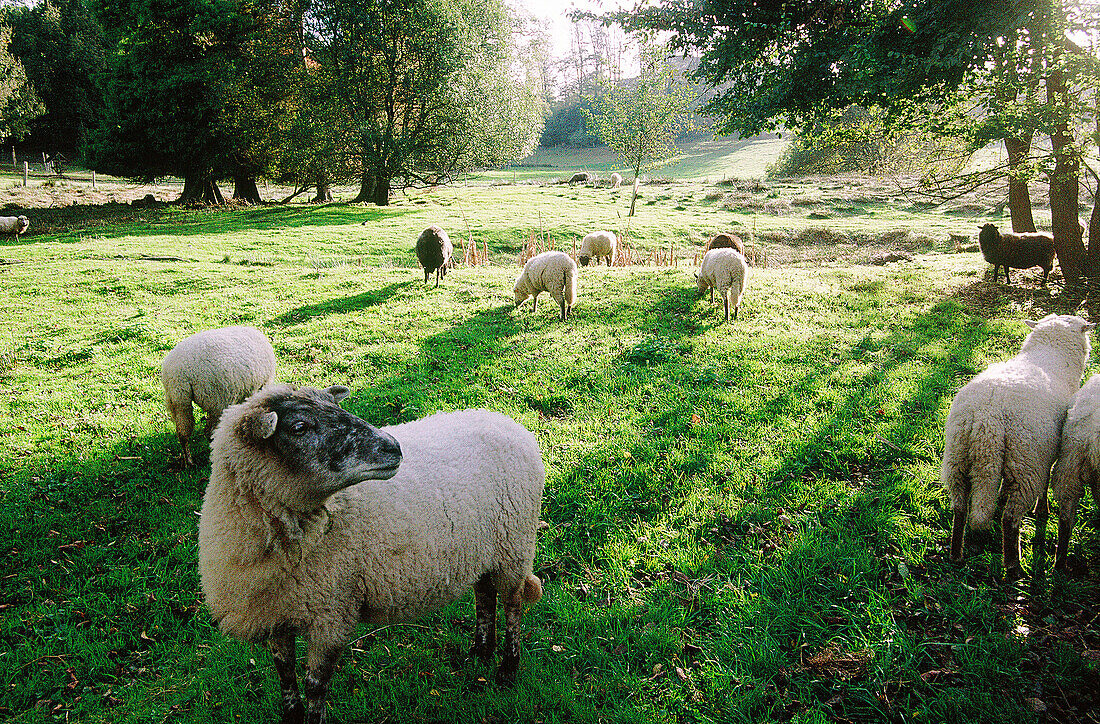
532, 588
986, 451
569, 285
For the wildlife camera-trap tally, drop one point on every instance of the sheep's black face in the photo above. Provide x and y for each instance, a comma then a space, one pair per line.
583, 260
326, 447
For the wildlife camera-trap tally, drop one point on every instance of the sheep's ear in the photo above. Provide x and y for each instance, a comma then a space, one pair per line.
1030, 323
260, 425
338, 392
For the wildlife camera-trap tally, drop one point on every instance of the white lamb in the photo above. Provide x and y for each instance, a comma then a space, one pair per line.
598, 244
1078, 463
214, 369
550, 271
14, 225
299, 535
726, 270
616, 180
1003, 429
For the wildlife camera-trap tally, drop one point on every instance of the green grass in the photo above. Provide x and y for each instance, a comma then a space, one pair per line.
707, 161
745, 519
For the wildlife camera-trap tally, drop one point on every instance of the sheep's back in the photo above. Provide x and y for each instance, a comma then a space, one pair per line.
433, 247
598, 243
218, 367
464, 501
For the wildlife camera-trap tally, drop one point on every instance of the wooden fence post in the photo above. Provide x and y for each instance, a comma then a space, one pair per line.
24, 173
45, 168
93, 179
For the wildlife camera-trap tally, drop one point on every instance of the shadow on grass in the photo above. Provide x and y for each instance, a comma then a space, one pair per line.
339, 306
114, 220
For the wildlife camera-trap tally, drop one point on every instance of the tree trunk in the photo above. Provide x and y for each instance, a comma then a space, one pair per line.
366, 188
244, 189
324, 192
381, 191
1019, 199
201, 188
1064, 188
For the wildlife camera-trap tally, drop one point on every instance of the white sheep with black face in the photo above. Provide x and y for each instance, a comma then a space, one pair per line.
1003, 431
213, 369
313, 521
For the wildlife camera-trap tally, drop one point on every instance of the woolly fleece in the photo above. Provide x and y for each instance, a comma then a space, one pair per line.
215, 368
598, 244
727, 271
550, 271
1005, 423
1078, 459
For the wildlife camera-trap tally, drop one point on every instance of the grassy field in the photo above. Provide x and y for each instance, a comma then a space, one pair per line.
745, 523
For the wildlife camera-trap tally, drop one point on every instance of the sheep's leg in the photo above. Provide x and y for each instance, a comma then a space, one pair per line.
509, 662
712, 295
726, 304
322, 664
534, 302
564, 309
427, 274
958, 531
212, 419
183, 417
1067, 516
1007, 280
437, 276
485, 603
1010, 548
281, 646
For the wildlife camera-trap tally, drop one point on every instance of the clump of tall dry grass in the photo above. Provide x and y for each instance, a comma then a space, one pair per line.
472, 255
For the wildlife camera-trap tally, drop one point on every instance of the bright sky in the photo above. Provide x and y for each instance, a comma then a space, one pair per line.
555, 10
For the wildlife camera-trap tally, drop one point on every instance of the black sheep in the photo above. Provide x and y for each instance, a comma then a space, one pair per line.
1017, 250
433, 250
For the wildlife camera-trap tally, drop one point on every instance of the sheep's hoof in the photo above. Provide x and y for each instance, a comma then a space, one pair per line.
506, 675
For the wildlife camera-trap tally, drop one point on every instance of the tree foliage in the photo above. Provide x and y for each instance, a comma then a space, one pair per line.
19, 104
64, 51
795, 62
420, 89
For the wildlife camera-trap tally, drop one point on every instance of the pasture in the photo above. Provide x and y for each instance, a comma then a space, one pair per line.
745, 521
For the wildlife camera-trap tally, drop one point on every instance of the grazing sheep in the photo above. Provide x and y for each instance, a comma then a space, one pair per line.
727, 270
726, 241
598, 244
616, 180
299, 535
1003, 429
550, 271
214, 369
433, 250
14, 225
1078, 463
581, 177
1016, 250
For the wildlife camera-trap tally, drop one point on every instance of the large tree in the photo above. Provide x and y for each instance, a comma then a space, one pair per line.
790, 63
420, 89
64, 52
18, 102
640, 119
193, 92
